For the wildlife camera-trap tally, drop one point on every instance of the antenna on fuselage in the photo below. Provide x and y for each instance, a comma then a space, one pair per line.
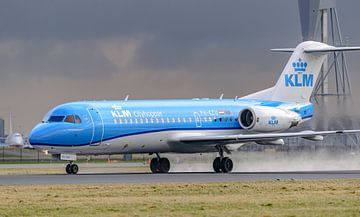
236, 97
221, 96
126, 97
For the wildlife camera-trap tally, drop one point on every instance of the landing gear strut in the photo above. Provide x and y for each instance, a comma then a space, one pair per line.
222, 164
159, 165
72, 168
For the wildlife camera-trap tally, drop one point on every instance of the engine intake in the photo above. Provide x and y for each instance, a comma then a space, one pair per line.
247, 118
267, 119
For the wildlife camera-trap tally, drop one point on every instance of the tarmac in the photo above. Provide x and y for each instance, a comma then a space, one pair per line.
175, 177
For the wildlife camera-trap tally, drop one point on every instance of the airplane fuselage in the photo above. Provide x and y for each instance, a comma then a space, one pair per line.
144, 126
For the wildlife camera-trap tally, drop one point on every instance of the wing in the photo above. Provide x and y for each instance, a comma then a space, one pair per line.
261, 137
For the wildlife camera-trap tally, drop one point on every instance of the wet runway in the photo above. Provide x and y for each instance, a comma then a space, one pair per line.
144, 178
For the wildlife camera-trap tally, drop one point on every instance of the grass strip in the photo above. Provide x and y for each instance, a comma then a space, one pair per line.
267, 198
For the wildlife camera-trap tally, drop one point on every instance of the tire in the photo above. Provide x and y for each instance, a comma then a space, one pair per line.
226, 165
164, 166
74, 169
154, 165
217, 165
68, 169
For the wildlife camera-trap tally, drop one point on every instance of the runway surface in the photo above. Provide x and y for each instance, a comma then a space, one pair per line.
174, 177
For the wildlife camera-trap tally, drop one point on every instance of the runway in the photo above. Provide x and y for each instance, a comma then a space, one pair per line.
144, 178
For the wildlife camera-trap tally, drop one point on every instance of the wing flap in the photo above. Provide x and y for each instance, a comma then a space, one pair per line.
242, 138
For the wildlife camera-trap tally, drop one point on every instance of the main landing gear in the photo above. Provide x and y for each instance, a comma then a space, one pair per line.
72, 168
159, 165
222, 164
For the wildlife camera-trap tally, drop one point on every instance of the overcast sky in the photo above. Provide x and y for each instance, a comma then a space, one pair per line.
58, 51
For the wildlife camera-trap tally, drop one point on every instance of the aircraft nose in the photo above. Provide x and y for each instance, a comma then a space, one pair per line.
36, 135
32, 137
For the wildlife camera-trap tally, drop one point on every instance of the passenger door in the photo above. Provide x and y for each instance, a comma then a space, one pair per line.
197, 119
97, 126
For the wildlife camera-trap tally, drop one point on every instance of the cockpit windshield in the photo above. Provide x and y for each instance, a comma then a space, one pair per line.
70, 119
56, 119
73, 119
77, 119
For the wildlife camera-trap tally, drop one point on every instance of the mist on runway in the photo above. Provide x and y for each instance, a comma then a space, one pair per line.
269, 162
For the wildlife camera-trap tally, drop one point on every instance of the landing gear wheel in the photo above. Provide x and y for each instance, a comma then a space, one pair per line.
159, 165
68, 169
154, 165
164, 166
226, 165
74, 169
216, 165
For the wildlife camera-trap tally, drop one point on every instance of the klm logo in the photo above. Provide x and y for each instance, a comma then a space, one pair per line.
300, 78
273, 121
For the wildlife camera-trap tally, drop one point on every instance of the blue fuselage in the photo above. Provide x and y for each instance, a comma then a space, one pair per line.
85, 124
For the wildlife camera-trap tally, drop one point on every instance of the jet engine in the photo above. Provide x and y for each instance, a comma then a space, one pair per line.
267, 119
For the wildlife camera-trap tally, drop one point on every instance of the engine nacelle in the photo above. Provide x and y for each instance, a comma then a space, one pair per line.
267, 119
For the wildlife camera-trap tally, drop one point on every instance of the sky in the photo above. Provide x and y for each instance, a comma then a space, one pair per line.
53, 52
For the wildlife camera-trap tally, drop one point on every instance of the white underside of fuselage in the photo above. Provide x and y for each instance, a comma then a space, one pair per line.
156, 142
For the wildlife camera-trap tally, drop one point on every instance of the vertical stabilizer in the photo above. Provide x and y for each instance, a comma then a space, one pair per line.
300, 74
11, 130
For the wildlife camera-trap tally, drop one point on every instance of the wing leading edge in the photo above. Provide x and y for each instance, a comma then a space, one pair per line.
243, 138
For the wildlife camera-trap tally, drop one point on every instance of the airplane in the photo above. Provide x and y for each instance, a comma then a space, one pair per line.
14, 139
189, 126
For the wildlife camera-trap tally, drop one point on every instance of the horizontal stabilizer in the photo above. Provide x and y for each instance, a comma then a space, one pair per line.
330, 49
290, 50
317, 50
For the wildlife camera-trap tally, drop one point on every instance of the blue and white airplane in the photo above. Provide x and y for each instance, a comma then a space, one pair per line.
189, 126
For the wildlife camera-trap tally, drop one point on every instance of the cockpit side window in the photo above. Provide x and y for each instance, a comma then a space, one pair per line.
56, 119
70, 119
77, 119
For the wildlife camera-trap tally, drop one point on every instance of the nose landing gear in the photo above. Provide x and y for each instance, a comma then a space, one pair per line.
159, 165
71, 168
222, 164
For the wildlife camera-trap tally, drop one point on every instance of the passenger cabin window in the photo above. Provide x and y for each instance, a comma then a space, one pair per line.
70, 119
56, 118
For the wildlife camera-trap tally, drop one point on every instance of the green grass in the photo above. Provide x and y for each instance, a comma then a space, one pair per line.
270, 198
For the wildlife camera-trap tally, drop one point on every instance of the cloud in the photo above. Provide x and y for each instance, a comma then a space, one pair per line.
122, 52
57, 51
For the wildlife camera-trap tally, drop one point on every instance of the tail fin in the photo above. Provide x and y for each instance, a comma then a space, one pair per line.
11, 130
300, 74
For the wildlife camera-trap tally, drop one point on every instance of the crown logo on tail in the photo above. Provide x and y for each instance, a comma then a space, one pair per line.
299, 66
